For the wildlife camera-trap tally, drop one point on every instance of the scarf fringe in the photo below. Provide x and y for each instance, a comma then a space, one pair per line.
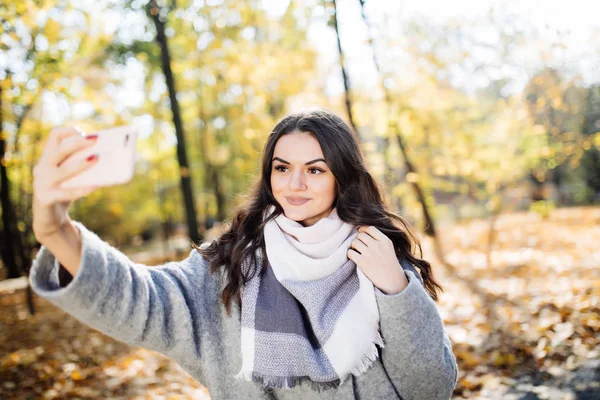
369, 357
287, 382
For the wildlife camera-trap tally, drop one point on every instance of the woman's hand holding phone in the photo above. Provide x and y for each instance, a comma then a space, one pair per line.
59, 162
73, 165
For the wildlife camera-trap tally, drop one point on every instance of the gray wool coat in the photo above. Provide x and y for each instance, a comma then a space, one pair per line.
175, 309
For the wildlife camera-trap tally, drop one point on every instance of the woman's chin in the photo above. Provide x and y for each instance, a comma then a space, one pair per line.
294, 213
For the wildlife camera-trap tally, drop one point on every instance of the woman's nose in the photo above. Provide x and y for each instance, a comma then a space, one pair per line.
297, 181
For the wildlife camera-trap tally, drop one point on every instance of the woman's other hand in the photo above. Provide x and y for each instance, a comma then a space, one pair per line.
373, 252
61, 159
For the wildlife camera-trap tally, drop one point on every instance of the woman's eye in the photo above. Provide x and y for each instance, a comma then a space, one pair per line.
312, 171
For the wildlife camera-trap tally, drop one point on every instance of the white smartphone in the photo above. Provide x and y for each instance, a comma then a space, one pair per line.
116, 159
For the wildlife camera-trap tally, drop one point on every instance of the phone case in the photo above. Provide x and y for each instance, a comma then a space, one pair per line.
116, 159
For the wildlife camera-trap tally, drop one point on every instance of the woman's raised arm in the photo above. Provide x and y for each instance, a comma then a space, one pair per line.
162, 308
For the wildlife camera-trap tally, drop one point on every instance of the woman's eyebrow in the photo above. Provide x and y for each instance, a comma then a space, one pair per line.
306, 163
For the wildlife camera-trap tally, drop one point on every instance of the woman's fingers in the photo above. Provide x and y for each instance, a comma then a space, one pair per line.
57, 135
366, 239
72, 166
71, 145
373, 232
62, 158
354, 256
358, 246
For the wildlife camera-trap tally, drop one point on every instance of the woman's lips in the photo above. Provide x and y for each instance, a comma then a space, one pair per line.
296, 201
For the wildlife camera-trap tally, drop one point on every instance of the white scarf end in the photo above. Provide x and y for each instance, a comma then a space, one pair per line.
244, 376
369, 357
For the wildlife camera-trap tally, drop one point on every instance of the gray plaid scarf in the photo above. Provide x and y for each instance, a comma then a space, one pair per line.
312, 315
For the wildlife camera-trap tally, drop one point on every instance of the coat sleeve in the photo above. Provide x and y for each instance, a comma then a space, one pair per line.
163, 308
418, 354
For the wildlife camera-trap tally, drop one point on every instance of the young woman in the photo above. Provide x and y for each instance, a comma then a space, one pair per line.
313, 287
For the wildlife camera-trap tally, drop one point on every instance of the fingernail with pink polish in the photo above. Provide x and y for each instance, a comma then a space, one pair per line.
92, 157
91, 137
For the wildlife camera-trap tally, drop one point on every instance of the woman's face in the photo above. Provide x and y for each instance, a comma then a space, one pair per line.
301, 181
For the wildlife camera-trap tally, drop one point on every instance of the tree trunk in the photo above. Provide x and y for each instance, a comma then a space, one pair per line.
9, 232
186, 181
429, 228
219, 195
371, 42
203, 152
345, 77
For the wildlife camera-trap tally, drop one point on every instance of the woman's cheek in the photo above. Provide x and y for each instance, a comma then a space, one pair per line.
325, 186
275, 185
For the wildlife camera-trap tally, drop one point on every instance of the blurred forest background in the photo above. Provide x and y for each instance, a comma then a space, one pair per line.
480, 119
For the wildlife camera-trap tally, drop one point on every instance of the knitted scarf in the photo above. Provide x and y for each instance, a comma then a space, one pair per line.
312, 315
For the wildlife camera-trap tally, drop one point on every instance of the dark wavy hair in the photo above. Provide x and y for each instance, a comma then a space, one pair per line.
358, 201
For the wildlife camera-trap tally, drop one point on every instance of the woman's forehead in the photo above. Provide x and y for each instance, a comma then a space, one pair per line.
298, 147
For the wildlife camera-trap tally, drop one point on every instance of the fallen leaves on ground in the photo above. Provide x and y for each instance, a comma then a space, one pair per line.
528, 325
53, 356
